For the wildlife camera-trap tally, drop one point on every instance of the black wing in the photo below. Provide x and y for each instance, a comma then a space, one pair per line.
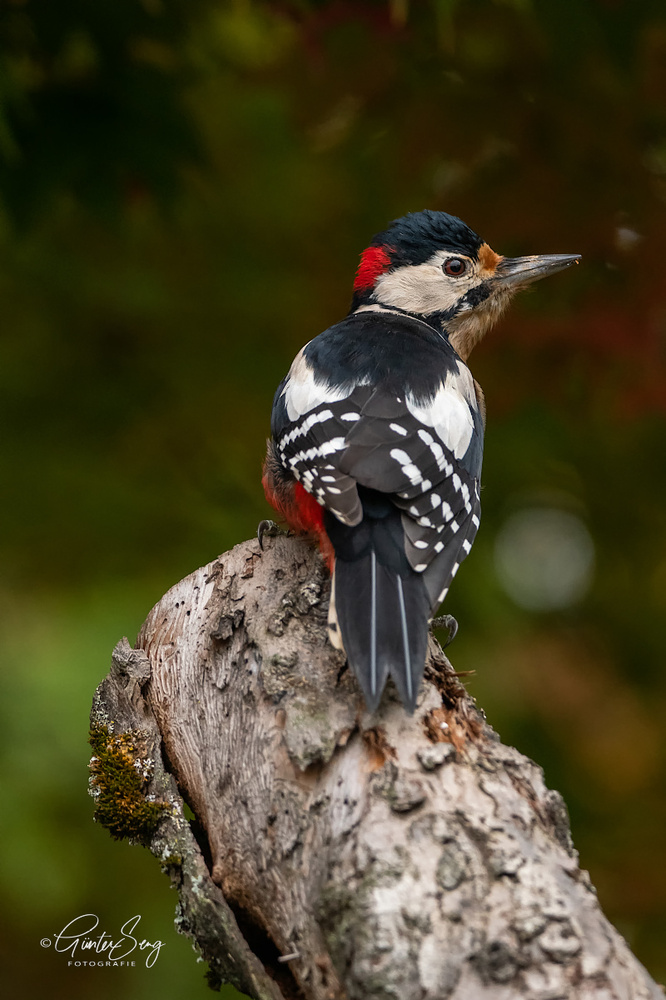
376, 439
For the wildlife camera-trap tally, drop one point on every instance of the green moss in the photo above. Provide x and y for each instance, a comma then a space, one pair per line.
172, 861
119, 769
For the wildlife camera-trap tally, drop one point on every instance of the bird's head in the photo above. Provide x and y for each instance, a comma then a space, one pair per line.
432, 265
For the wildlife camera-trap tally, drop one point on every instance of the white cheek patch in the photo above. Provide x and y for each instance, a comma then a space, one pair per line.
302, 393
423, 288
417, 288
449, 413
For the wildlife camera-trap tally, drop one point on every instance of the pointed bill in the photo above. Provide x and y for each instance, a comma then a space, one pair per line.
516, 272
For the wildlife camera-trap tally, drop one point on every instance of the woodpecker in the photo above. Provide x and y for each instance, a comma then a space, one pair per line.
377, 437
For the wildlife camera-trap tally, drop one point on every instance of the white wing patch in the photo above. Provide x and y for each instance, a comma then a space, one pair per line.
303, 393
449, 413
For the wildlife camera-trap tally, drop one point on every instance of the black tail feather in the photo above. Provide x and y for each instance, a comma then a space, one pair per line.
381, 603
383, 619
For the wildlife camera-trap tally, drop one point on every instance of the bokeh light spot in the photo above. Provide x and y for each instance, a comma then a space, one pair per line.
544, 558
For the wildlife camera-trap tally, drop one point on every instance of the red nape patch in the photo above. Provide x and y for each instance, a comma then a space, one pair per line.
374, 261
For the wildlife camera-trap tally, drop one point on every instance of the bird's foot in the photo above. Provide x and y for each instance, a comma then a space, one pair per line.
447, 622
269, 529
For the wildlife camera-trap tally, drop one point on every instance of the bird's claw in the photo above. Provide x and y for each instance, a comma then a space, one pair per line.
447, 622
269, 528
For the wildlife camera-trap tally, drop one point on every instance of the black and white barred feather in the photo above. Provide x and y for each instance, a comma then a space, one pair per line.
392, 451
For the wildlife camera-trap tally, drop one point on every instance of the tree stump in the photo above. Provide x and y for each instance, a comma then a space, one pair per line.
332, 853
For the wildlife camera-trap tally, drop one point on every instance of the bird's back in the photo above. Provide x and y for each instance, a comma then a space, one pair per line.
369, 421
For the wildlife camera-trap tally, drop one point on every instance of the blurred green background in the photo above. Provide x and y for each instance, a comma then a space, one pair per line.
185, 188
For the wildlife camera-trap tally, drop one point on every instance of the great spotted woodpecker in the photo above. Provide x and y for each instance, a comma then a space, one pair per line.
377, 437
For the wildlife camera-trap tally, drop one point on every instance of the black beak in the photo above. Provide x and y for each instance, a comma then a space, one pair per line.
517, 272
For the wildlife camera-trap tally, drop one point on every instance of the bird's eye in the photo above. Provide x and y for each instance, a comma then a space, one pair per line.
455, 266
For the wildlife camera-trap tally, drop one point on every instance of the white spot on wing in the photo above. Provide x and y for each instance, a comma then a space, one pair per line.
315, 418
329, 447
436, 449
411, 471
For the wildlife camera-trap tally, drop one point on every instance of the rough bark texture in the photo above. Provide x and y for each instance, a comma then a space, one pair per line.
391, 856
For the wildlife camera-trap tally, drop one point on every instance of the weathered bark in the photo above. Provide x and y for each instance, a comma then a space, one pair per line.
413, 857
